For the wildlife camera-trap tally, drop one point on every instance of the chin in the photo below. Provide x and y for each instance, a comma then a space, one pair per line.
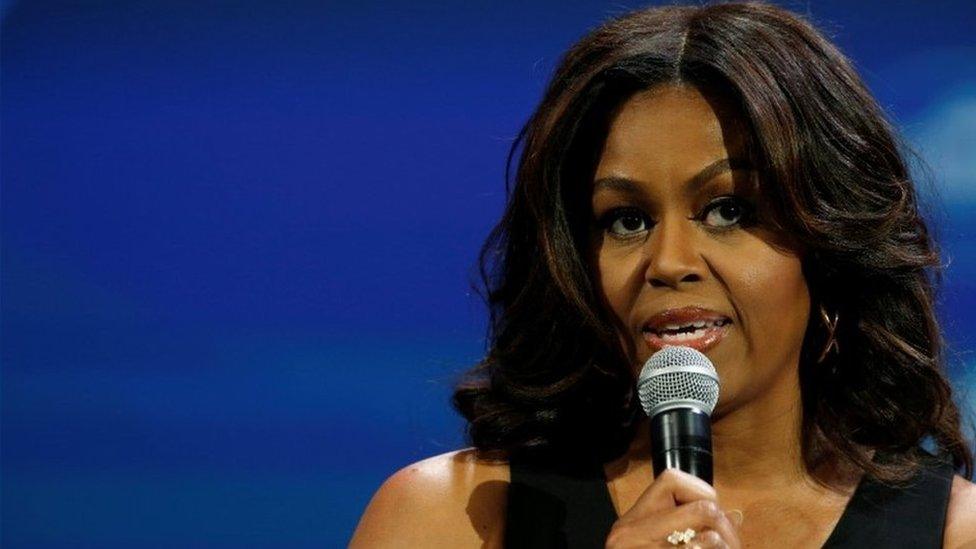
721, 409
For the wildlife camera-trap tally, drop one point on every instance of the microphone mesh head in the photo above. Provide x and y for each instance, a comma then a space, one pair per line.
677, 377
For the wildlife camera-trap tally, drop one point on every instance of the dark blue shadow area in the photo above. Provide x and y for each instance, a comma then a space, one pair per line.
238, 241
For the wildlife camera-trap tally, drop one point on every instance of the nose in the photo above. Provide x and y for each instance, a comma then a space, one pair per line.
673, 255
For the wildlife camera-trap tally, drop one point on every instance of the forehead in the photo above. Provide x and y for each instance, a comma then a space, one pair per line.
670, 130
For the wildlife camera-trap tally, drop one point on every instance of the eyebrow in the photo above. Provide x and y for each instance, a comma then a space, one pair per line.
631, 186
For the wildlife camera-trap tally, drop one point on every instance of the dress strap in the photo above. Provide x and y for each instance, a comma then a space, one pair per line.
567, 506
897, 516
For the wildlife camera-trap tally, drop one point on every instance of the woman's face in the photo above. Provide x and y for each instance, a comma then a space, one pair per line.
676, 243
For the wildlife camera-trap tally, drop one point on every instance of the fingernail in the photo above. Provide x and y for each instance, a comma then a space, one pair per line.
735, 516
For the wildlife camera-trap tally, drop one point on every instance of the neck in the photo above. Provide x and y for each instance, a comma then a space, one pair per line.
759, 446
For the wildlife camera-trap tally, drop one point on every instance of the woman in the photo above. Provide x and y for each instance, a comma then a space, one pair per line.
721, 165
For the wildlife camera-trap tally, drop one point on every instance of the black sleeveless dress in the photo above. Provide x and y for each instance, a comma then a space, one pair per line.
570, 507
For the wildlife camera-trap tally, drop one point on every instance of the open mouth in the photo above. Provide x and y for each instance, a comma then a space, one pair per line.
701, 335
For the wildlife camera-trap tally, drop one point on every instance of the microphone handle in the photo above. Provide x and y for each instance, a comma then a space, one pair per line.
681, 438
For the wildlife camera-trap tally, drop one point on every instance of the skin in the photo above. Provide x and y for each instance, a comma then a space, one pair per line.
673, 247
674, 255
662, 243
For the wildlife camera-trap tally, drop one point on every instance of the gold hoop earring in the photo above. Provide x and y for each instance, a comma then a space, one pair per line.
831, 325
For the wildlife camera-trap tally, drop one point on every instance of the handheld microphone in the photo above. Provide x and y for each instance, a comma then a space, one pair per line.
678, 389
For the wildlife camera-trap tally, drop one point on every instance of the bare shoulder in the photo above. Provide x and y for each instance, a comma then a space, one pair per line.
455, 499
960, 531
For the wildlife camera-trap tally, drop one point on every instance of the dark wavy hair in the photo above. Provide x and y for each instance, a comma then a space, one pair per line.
832, 173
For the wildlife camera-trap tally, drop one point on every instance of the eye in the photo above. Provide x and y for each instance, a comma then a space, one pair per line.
624, 222
727, 211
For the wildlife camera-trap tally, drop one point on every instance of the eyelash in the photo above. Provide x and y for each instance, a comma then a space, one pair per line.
746, 218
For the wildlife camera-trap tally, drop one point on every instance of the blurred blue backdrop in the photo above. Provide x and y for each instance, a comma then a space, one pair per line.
238, 239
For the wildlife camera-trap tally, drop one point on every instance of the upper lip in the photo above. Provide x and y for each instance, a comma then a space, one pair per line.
681, 317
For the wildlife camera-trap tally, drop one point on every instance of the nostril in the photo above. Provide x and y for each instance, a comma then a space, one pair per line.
658, 282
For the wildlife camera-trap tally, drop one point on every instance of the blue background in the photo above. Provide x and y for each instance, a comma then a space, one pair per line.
238, 239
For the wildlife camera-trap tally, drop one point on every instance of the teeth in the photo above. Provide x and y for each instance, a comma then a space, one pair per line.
697, 325
682, 336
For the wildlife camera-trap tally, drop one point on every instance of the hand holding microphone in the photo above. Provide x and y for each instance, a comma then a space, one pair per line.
678, 388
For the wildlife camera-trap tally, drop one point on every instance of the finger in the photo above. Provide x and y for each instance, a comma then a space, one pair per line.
698, 515
701, 515
735, 516
727, 531
673, 487
709, 539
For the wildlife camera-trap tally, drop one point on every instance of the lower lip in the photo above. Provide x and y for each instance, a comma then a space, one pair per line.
706, 339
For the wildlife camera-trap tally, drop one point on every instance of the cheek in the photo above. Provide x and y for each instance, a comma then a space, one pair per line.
777, 303
620, 279
617, 275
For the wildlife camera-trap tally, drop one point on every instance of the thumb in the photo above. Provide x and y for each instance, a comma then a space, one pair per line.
735, 516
